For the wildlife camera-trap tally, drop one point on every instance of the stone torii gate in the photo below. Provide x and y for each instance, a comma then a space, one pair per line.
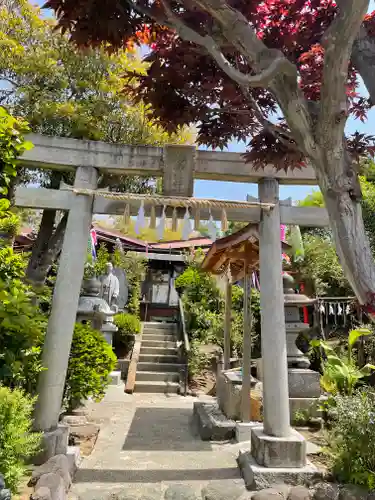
178, 166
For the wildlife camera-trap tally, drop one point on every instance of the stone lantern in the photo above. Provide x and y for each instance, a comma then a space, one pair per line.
304, 384
94, 309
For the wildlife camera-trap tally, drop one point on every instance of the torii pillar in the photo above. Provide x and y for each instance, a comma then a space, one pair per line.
275, 444
61, 322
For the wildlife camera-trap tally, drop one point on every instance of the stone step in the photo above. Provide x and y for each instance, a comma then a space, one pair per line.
157, 386
158, 358
159, 337
157, 376
158, 343
159, 327
171, 351
147, 366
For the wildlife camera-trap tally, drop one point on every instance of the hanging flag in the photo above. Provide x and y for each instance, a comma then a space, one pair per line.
93, 240
295, 240
282, 232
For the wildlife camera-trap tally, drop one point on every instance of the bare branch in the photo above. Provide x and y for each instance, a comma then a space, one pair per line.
337, 42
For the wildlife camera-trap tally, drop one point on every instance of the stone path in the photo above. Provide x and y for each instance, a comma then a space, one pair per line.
146, 444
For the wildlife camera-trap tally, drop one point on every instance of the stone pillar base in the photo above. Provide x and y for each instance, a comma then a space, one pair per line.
53, 443
258, 477
271, 451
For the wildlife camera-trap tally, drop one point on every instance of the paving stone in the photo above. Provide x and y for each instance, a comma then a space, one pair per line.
59, 465
42, 493
326, 491
352, 492
223, 490
55, 483
181, 492
299, 493
270, 494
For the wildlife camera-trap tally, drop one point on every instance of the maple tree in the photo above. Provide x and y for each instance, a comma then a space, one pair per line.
282, 72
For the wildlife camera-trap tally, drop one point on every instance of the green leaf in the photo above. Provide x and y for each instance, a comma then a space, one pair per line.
366, 370
355, 334
27, 145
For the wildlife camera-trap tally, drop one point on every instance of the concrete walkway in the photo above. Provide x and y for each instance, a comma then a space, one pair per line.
146, 444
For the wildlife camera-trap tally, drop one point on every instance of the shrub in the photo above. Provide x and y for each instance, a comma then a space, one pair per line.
91, 361
341, 373
22, 330
17, 442
352, 438
127, 324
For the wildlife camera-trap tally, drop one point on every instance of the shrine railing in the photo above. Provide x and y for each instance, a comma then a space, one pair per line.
184, 345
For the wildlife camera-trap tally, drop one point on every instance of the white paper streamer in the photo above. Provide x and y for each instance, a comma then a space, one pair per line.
186, 225
141, 219
212, 230
161, 226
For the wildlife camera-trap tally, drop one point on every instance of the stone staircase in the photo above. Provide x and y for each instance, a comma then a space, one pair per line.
158, 368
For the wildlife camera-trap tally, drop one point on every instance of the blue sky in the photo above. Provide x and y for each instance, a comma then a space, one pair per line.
238, 191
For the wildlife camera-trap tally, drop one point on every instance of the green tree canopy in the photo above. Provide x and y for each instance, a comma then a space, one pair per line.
63, 91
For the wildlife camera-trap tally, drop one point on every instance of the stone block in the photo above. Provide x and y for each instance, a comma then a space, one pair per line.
58, 464
258, 477
73, 420
42, 493
181, 492
62, 437
223, 490
303, 383
47, 447
115, 377
299, 493
275, 493
212, 423
271, 451
326, 491
54, 483
74, 459
243, 430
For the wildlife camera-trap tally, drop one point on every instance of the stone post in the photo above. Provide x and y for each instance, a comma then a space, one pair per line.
274, 354
61, 322
246, 351
178, 175
227, 323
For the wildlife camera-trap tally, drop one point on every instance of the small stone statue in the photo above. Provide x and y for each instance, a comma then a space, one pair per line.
110, 287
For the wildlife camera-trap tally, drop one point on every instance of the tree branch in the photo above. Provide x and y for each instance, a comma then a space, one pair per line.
337, 42
186, 33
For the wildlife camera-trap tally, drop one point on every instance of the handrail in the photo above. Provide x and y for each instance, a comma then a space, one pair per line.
185, 343
183, 325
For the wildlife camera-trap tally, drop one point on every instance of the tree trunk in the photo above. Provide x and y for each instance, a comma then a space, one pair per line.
363, 58
340, 187
50, 248
40, 246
